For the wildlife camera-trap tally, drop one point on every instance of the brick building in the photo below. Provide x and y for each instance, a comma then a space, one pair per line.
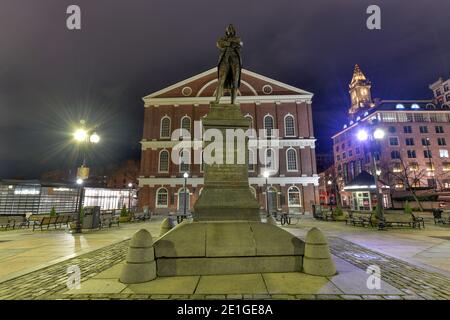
268, 103
414, 151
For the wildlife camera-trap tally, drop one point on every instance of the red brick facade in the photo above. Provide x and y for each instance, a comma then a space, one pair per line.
258, 97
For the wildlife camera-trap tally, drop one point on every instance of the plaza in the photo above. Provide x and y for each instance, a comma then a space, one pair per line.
414, 264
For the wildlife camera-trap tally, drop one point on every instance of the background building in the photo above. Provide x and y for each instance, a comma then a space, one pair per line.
441, 91
269, 104
414, 152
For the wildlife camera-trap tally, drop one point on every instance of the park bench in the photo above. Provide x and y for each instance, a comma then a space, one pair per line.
5, 222
108, 219
288, 218
141, 216
19, 221
359, 219
45, 221
438, 218
402, 220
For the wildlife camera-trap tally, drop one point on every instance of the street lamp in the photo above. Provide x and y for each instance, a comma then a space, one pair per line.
266, 176
374, 135
185, 176
83, 136
130, 186
80, 203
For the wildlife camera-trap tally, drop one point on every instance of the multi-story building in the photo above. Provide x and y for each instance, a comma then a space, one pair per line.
414, 151
125, 174
268, 104
441, 91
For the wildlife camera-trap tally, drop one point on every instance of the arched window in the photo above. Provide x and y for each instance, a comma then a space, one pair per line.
162, 198
291, 159
186, 123
294, 197
163, 161
253, 191
184, 160
165, 127
251, 160
289, 127
250, 118
268, 125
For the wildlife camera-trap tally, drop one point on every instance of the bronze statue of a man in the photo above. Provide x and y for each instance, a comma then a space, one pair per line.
230, 64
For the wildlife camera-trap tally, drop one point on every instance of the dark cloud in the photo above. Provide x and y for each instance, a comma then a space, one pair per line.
51, 77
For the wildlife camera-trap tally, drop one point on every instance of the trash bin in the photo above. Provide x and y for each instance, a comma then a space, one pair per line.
91, 218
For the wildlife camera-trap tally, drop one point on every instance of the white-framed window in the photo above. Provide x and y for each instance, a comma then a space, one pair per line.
249, 117
268, 125
163, 165
443, 153
186, 123
291, 159
162, 198
165, 127
294, 197
185, 160
289, 126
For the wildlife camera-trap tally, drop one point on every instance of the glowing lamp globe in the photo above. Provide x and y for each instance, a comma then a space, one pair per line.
362, 135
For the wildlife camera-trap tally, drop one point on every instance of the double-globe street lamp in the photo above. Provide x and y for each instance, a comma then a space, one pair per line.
373, 136
83, 136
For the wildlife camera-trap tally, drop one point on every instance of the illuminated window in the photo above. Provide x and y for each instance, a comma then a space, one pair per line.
164, 161
162, 198
186, 123
294, 197
268, 125
291, 156
165, 127
251, 160
443, 153
289, 129
185, 160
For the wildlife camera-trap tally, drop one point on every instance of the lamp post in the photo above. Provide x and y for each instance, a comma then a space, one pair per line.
185, 176
431, 165
374, 135
266, 176
130, 186
82, 136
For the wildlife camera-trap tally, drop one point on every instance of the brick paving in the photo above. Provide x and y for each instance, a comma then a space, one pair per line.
415, 282
44, 283
50, 282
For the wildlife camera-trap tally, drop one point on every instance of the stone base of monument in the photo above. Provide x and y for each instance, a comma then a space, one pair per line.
227, 247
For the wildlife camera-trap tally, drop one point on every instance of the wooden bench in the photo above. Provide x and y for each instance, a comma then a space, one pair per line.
46, 221
286, 218
108, 219
5, 222
140, 216
359, 219
402, 220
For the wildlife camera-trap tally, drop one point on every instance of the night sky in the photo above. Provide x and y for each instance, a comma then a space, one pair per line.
51, 77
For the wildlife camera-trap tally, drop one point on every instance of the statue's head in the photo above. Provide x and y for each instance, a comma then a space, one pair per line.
230, 31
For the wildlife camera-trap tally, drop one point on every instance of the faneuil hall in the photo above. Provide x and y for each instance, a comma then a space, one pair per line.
271, 106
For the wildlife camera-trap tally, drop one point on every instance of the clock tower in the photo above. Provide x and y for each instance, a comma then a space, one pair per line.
360, 95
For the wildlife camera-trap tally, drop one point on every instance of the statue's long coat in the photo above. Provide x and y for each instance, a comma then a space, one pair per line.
229, 80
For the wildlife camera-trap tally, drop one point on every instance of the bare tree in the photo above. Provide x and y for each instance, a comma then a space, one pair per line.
410, 175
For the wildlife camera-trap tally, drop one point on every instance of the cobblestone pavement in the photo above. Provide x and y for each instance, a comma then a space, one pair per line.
413, 281
50, 282
43, 283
